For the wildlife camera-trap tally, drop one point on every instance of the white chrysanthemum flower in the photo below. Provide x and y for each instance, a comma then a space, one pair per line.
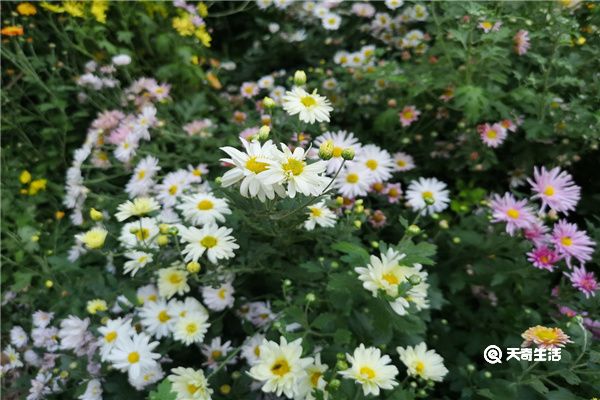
377, 161
191, 328
148, 377
41, 319
142, 179
319, 214
73, 333
422, 362
189, 384
251, 348
93, 391
172, 281
354, 181
216, 242
291, 169
371, 370
172, 186
203, 208
112, 332
393, 4
428, 196
148, 293
218, 298
18, 337
138, 207
403, 162
14, 358
314, 380
384, 273
266, 82
189, 305
416, 296
311, 107
157, 318
141, 233
134, 355
331, 21
341, 140
216, 352
280, 367
418, 13
247, 167
137, 261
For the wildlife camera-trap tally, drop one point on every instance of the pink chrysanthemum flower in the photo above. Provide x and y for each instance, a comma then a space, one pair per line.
408, 115
571, 242
569, 312
521, 41
545, 338
377, 219
537, 233
543, 257
584, 281
516, 213
509, 125
555, 188
393, 192
492, 135
487, 26
249, 90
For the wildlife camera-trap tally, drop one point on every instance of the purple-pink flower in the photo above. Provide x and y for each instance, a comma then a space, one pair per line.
543, 257
571, 242
393, 192
408, 115
492, 135
583, 281
555, 188
516, 213
521, 41
537, 233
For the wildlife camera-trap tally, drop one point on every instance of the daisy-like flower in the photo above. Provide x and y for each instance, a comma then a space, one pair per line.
94, 238
189, 305
138, 207
354, 181
521, 41
537, 233
196, 172
331, 21
172, 186
408, 115
266, 82
13, 357
148, 293
292, 170
364, 10
113, 331
42, 319
280, 367
488, 26
371, 370
385, 273
555, 188
149, 377
142, 179
188, 383
247, 167
249, 90
492, 135
319, 214
18, 336
311, 107
215, 352
543, 257
403, 162
341, 140
172, 281
427, 196
516, 213
204, 208
571, 242
251, 348
393, 4
422, 362
93, 391
134, 355
545, 338
142, 233
217, 243
137, 261
96, 305
191, 328
584, 281
220, 297
377, 161
157, 318
314, 380
393, 191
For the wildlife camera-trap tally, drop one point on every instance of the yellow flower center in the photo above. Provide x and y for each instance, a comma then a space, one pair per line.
427, 195
491, 134
314, 378
142, 234
549, 191
566, 241
257, 351
401, 163
420, 367
216, 354
316, 212
407, 114
173, 190
191, 388
293, 166
256, 166
221, 294
110, 336
175, 279
208, 241
308, 101
367, 372
163, 316
196, 172
141, 175
390, 278
191, 328
546, 334
280, 367
486, 25
337, 151
512, 213
205, 205
393, 192
371, 164
352, 178
133, 357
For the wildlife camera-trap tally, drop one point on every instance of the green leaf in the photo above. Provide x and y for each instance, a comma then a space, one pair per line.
473, 101
162, 392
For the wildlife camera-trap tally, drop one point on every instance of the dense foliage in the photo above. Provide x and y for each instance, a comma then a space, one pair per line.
305, 200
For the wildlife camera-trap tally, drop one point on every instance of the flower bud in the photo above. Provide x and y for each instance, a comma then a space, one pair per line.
375, 244
25, 177
414, 279
268, 102
487, 374
310, 297
49, 283
225, 389
335, 264
173, 230
413, 229
443, 224
456, 240
299, 78
357, 224
193, 267
334, 384
470, 368
162, 240
263, 133
164, 228
326, 150
348, 154
341, 364
96, 215
287, 282
339, 200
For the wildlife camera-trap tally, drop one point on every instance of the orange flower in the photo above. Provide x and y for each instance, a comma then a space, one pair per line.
213, 81
26, 9
12, 31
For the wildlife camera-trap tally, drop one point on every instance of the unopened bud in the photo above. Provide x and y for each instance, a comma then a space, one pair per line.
162, 240
193, 267
357, 224
96, 215
443, 224
342, 364
173, 230
49, 283
334, 384
348, 154
456, 240
375, 244
263, 133
299, 78
268, 102
326, 150
339, 200
413, 229
310, 297
414, 279
164, 228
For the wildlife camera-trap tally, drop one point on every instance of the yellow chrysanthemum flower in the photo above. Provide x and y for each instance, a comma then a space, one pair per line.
203, 36
202, 9
36, 186
183, 25
25, 177
98, 10
26, 9
74, 8
93, 306
94, 238
52, 7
